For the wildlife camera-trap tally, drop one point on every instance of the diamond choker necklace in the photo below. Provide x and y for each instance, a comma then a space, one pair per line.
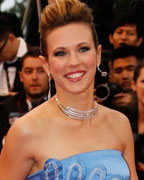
75, 114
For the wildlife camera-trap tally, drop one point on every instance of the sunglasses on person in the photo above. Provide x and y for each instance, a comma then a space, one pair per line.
4, 44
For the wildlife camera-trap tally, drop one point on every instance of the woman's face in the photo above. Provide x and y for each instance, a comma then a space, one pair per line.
139, 86
72, 57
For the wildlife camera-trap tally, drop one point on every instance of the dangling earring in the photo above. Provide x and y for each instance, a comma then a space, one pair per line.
103, 73
49, 84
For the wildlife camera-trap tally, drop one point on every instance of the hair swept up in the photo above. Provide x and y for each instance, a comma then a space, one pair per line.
63, 12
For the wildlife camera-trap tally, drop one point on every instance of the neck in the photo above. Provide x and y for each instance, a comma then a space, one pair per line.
38, 99
77, 114
141, 112
82, 101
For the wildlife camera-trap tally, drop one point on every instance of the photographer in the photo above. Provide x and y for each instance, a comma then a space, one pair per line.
123, 63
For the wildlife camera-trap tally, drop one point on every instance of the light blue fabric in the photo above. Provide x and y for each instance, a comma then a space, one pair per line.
95, 165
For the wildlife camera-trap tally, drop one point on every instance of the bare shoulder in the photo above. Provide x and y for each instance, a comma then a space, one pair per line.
29, 126
118, 119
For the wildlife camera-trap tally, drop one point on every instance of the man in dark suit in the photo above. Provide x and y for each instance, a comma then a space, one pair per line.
35, 82
12, 47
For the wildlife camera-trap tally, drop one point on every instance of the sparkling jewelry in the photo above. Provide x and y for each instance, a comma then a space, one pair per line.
49, 84
75, 114
103, 73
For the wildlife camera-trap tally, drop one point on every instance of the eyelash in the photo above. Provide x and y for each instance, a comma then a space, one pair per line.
59, 53
84, 49
62, 53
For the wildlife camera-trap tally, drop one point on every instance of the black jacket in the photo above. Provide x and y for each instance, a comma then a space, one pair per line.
16, 104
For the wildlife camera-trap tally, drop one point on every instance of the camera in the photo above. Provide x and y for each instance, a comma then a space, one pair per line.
107, 90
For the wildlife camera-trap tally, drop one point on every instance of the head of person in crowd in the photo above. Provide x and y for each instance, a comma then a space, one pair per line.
124, 61
14, 22
33, 75
138, 82
125, 30
9, 41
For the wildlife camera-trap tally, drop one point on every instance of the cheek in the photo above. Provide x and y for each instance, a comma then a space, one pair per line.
56, 68
133, 38
140, 91
117, 77
26, 82
91, 62
115, 37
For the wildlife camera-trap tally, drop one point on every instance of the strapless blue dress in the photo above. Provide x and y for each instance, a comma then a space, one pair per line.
95, 165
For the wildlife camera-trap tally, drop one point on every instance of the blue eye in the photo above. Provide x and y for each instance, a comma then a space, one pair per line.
84, 49
41, 70
60, 53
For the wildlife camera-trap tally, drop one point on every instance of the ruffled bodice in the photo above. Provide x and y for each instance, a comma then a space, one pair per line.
95, 165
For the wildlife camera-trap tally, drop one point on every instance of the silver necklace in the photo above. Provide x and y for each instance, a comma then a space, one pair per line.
75, 114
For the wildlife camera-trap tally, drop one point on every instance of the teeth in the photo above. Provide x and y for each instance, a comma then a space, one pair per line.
75, 75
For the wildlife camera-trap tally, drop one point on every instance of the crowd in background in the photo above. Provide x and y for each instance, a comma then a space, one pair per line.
24, 83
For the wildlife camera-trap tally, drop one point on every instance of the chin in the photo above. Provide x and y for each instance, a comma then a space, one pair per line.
35, 95
127, 89
78, 90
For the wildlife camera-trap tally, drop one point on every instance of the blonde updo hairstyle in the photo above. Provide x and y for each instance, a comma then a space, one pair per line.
63, 12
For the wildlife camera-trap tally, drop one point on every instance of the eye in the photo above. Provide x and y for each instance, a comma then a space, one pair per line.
118, 32
60, 53
130, 68
41, 70
118, 71
84, 49
28, 71
131, 33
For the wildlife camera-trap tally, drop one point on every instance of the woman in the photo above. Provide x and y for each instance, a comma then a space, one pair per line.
70, 136
137, 118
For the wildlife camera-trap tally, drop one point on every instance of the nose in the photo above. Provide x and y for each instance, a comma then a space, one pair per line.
34, 75
124, 35
74, 59
125, 74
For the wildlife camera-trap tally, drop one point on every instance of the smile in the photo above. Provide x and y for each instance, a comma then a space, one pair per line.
75, 75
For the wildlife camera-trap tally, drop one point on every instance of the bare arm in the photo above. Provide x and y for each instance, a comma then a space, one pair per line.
15, 158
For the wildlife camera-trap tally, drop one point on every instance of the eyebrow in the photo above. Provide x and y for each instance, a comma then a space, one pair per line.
64, 47
129, 66
33, 68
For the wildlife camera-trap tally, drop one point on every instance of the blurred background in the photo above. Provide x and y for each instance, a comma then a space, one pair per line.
103, 11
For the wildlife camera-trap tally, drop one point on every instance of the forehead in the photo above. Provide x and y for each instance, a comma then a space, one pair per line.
69, 34
32, 62
127, 28
124, 62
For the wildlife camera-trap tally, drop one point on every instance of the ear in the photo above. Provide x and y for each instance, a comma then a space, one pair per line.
20, 76
44, 64
140, 39
111, 38
12, 37
99, 49
133, 86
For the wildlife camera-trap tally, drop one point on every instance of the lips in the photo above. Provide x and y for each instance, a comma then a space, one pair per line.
122, 44
34, 85
127, 83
